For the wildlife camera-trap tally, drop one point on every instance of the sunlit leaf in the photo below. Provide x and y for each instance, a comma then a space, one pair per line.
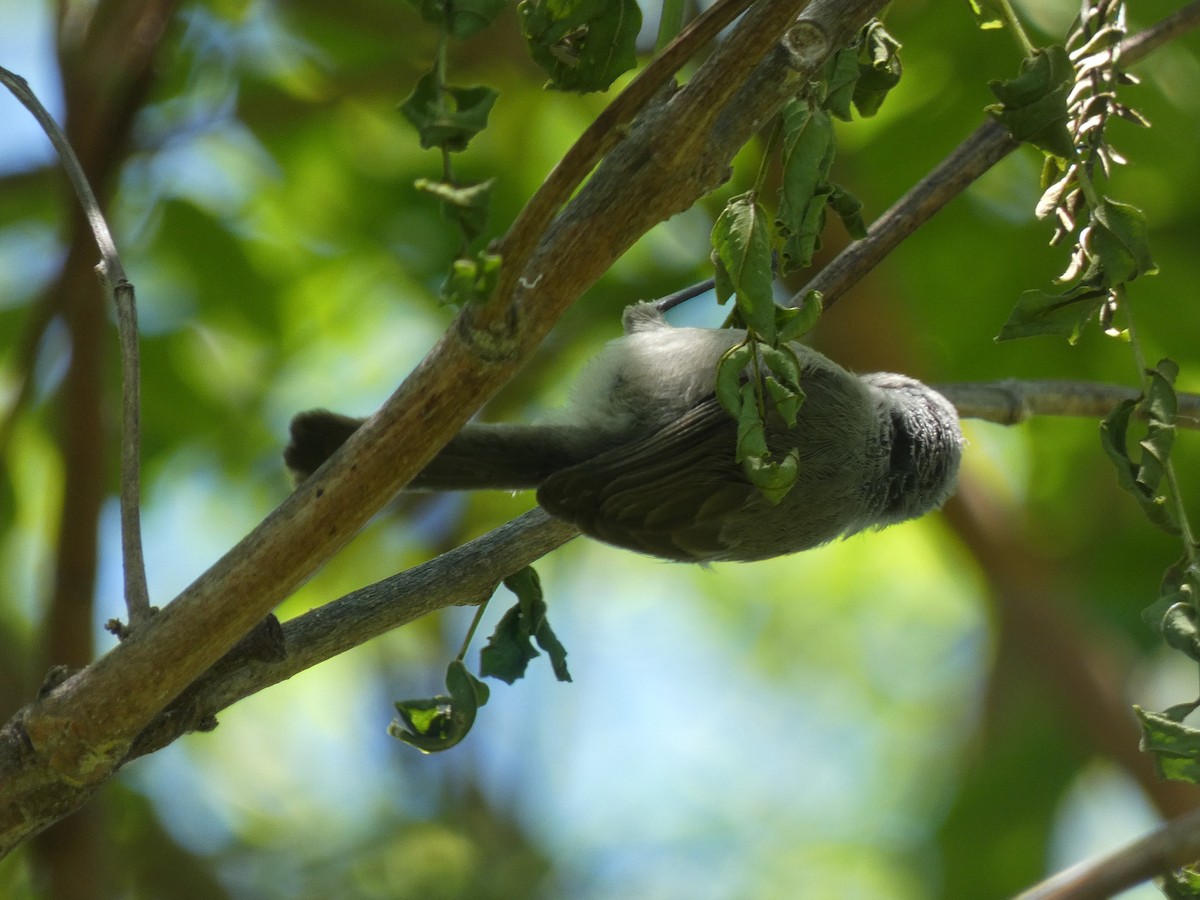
1175, 746
988, 13
467, 205
741, 240
808, 151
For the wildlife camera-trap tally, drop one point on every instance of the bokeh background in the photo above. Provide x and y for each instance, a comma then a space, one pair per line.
938, 710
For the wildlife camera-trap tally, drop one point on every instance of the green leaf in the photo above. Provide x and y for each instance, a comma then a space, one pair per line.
795, 322
447, 117
1154, 614
773, 479
784, 363
472, 280
1065, 314
467, 205
879, 69
786, 400
1180, 884
1175, 746
440, 722
841, 78
1159, 408
582, 44
849, 210
752, 434
460, 18
808, 149
1118, 239
510, 648
731, 371
1033, 106
741, 240
1178, 628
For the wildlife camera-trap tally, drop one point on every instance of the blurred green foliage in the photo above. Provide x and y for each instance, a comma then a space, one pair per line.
829, 725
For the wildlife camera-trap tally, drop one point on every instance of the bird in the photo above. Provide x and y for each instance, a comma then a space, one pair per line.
643, 456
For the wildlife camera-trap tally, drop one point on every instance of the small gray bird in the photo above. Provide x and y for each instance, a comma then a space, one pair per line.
643, 457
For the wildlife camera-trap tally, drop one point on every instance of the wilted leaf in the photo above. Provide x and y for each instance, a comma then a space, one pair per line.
1130, 474
795, 322
1033, 106
510, 648
730, 372
879, 69
773, 479
447, 117
1119, 240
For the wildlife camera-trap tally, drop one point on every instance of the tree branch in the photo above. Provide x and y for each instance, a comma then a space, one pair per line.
60, 747
1174, 845
1012, 400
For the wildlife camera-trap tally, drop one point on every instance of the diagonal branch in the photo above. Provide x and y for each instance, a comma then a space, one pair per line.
60, 747
1174, 845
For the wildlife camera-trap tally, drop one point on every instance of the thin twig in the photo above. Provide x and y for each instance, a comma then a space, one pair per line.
1174, 845
1011, 400
112, 274
1142, 44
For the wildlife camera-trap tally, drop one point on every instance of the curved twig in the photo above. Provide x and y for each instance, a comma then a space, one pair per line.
112, 273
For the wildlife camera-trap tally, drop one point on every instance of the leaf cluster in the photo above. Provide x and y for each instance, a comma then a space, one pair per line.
438, 723
760, 377
1061, 102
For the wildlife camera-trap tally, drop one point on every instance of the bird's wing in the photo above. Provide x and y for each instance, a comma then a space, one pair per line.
667, 494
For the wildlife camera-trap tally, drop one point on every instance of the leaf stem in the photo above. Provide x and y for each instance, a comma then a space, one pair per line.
1014, 25
475, 620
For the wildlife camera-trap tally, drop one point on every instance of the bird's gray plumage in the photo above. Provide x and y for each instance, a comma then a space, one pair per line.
643, 458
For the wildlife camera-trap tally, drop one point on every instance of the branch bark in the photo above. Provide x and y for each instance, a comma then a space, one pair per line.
57, 750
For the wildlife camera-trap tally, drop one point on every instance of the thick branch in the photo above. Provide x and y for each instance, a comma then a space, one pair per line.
64, 744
